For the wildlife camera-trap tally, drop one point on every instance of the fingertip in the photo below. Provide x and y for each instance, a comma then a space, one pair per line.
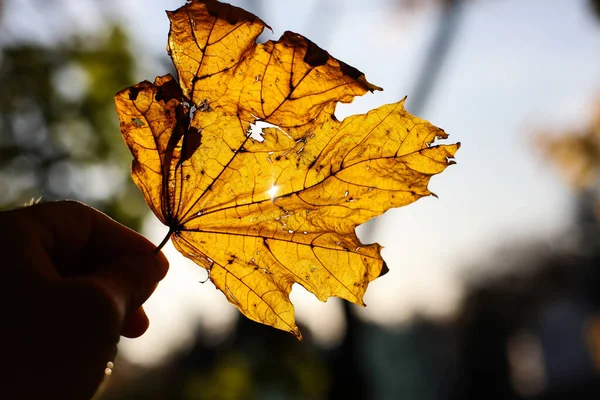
132, 279
136, 324
163, 264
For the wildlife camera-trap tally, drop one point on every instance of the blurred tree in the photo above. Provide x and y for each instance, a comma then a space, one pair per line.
596, 7
524, 332
577, 154
256, 363
59, 135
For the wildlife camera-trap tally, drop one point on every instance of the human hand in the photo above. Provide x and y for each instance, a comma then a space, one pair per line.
72, 281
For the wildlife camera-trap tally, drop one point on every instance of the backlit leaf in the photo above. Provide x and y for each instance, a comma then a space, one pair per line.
263, 213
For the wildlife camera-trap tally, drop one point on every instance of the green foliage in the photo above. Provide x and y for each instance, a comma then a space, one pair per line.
59, 135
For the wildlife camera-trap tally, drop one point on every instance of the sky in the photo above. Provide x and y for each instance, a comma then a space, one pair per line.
516, 68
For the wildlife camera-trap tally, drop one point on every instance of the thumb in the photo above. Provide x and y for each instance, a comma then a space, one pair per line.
129, 280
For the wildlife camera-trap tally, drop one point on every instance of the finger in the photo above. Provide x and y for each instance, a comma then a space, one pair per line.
130, 280
68, 230
80, 241
136, 324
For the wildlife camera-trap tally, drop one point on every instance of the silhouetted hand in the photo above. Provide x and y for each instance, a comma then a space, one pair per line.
72, 281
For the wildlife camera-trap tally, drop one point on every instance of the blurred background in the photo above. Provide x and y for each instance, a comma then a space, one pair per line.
494, 288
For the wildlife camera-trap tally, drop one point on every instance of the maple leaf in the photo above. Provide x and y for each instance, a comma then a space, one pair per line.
261, 215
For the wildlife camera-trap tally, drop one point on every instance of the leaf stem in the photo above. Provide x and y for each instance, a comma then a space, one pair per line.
164, 241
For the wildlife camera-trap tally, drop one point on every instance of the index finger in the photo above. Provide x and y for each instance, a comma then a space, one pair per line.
77, 237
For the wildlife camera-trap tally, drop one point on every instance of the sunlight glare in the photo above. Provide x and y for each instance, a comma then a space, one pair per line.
273, 191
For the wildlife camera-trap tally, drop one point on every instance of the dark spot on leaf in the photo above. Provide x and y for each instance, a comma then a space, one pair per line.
133, 93
229, 13
192, 139
169, 90
315, 56
350, 71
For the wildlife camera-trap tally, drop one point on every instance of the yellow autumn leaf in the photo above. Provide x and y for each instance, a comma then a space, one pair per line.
261, 214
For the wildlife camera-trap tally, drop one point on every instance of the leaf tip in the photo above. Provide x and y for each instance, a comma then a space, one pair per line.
374, 87
369, 86
384, 269
296, 332
402, 102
